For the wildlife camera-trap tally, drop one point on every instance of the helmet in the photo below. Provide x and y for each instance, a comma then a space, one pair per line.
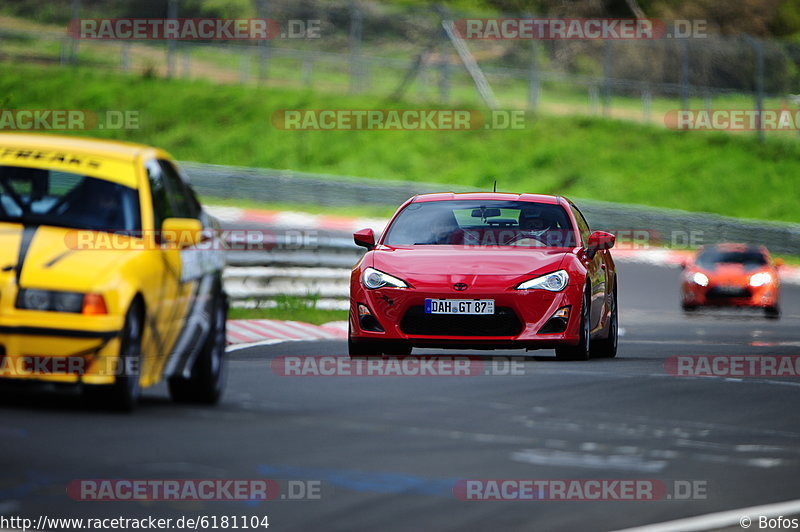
537, 221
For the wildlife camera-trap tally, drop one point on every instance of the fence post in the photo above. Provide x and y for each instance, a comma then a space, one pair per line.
64, 45
474, 70
647, 103
308, 70
73, 49
608, 57
533, 72
125, 56
356, 27
594, 97
244, 65
533, 77
172, 13
444, 70
263, 8
758, 48
186, 60
424, 78
684, 73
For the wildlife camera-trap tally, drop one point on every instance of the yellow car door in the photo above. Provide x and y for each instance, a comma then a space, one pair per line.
162, 324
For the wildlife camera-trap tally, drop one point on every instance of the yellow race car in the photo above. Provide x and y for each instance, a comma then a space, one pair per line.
110, 271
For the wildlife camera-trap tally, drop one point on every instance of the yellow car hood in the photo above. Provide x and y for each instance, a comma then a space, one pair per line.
53, 261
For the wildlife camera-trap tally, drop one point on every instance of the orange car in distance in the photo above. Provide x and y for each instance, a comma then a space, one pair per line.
731, 275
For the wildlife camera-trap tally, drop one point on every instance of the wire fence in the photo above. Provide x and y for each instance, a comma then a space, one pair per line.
399, 51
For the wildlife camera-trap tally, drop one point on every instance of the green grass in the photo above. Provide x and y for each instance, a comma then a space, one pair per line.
582, 157
315, 316
290, 308
35, 43
789, 260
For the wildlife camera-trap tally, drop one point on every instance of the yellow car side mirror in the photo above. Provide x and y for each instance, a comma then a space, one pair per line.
181, 232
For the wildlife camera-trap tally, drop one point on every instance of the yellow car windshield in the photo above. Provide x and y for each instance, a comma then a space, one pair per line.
36, 196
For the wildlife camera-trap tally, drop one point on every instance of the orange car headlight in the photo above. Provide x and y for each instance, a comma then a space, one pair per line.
760, 279
699, 278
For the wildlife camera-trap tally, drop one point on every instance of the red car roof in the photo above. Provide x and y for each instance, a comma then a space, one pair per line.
733, 246
488, 196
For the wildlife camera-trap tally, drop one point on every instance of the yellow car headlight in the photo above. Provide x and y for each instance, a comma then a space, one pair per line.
58, 301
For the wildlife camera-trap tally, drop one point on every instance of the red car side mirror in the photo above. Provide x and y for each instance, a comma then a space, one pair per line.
601, 240
779, 263
365, 238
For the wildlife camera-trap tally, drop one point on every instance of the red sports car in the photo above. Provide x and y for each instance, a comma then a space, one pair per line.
485, 271
732, 275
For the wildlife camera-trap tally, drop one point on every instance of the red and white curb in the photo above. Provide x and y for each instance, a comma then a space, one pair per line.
296, 220
245, 333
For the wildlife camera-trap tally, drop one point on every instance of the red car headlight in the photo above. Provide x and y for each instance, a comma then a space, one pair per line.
372, 279
553, 282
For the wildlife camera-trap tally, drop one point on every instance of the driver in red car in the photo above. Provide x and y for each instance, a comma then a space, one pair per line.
444, 229
534, 225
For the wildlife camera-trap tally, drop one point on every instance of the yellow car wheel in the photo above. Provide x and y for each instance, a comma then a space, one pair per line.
209, 370
124, 393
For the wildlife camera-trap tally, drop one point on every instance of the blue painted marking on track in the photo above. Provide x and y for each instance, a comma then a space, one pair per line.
370, 481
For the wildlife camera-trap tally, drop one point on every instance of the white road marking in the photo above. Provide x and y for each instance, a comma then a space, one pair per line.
547, 457
718, 520
237, 347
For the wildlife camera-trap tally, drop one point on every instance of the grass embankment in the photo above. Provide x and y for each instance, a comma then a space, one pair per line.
290, 308
580, 157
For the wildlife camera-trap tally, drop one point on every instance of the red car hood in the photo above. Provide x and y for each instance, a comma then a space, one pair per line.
732, 274
459, 260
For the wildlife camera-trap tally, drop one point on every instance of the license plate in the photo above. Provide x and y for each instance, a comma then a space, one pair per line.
732, 290
459, 306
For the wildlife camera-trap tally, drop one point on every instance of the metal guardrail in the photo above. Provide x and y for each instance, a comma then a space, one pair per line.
676, 227
691, 229
322, 268
261, 184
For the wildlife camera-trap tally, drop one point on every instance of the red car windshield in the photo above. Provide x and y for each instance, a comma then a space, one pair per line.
750, 258
481, 223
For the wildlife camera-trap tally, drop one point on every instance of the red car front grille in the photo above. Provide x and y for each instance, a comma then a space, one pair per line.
504, 322
724, 292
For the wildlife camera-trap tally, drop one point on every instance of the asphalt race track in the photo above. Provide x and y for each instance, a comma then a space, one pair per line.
387, 451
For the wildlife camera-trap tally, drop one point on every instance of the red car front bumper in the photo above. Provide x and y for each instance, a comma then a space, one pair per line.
728, 295
520, 320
